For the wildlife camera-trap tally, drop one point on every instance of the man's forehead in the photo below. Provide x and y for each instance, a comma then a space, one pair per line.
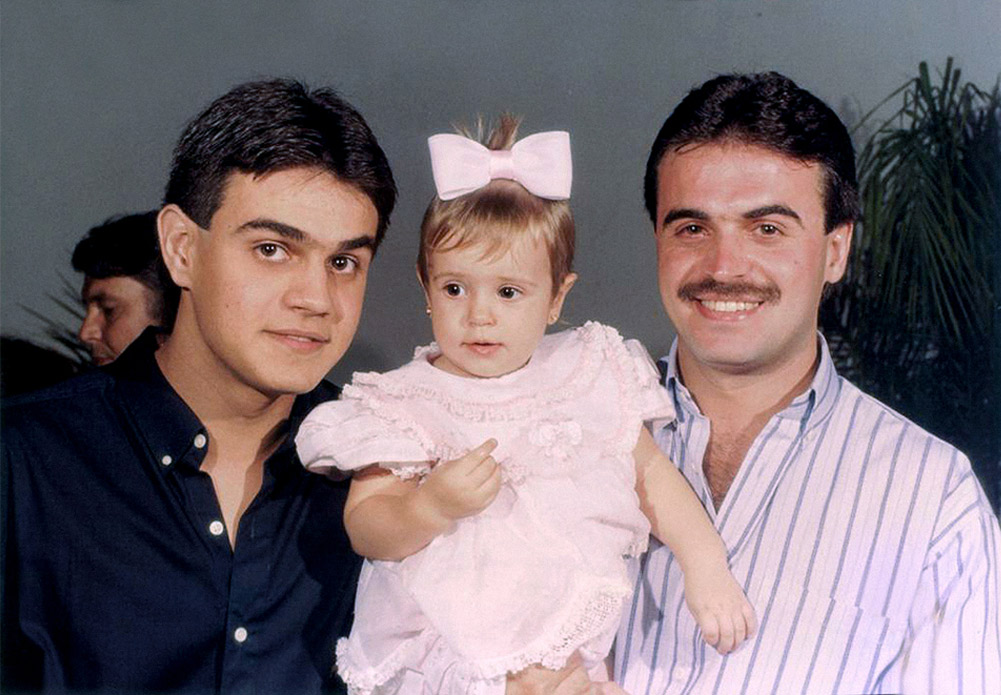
729, 172
737, 150
289, 197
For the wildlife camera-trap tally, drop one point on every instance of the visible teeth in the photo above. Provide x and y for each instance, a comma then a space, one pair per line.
728, 306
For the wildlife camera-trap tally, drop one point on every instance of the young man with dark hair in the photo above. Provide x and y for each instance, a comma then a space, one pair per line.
865, 544
160, 533
125, 286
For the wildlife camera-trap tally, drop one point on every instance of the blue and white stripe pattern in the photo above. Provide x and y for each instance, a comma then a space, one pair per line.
865, 544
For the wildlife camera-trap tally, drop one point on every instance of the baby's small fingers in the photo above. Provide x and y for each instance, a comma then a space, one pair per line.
710, 628
482, 493
491, 486
483, 471
726, 635
750, 619
484, 449
739, 629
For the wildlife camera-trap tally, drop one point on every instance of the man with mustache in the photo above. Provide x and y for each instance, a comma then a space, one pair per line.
865, 544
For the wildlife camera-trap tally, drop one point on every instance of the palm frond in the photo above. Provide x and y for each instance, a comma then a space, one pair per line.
918, 316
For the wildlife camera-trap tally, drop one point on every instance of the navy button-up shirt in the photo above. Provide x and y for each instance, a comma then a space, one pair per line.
118, 572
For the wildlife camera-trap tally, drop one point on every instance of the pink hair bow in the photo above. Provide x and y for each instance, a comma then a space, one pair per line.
540, 163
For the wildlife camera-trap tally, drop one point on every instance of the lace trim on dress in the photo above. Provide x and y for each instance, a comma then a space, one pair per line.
365, 681
631, 383
368, 401
589, 617
515, 408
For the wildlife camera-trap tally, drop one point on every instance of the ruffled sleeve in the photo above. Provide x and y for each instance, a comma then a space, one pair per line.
652, 400
346, 435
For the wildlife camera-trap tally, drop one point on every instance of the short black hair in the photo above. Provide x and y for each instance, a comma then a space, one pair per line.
771, 111
262, 127
128, 246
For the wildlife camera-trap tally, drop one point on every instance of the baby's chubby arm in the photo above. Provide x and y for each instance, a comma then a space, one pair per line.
678, 520
389, 519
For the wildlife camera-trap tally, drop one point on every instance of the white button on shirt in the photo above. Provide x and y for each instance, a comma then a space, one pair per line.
240, 635
166, 460
216, 528
200, 441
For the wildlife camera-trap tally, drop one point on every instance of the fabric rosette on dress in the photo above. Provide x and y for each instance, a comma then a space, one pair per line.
540, 573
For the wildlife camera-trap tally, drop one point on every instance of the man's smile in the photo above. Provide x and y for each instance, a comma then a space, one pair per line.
715, 299
728, 306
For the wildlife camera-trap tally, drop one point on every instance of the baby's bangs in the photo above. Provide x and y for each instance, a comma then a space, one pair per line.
495, 236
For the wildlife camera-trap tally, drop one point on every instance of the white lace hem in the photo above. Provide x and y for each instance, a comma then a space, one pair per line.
588, 620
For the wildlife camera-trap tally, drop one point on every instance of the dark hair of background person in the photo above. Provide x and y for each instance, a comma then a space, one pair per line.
127, 245
262, 127
25, 366
768, 110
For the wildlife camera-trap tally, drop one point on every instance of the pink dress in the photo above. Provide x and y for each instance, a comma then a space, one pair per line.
540, 573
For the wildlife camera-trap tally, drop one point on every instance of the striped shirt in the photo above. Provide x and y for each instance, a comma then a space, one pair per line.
865, 544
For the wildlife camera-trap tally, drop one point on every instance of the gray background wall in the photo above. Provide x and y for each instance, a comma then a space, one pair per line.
93, 94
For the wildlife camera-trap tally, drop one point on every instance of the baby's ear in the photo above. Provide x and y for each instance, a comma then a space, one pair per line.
417, 270
427, 298
556, 307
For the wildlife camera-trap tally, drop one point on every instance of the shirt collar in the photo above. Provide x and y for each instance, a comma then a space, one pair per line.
171, 429
810, 407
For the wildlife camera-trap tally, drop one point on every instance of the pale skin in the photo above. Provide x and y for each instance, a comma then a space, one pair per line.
389, 519
746, 225
271, 296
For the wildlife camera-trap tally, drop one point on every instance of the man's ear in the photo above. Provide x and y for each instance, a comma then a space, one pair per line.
839, 246
178, 235
561, 294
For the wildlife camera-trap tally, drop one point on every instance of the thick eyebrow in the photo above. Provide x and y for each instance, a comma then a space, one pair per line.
683, 213
295, 234
285, 230
776, 209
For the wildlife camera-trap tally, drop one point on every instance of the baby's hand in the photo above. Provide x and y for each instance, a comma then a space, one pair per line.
463, 486
719, 606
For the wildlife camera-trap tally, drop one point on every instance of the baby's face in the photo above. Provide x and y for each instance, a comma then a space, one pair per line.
489, 313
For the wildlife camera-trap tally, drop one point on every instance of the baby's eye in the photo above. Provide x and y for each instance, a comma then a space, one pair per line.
508, 292
453, 289
344, 264
272, 251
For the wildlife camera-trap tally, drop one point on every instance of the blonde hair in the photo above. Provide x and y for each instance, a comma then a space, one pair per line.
498, 215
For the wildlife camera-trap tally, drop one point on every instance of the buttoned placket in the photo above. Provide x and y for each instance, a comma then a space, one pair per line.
234, 588
755, 480
250, 576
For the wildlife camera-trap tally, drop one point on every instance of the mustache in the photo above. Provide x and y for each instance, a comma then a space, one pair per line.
729, 290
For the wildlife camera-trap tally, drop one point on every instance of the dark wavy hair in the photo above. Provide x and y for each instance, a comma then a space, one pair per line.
127, 246
267, 126
771, 111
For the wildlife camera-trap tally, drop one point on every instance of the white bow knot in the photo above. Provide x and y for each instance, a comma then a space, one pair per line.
541, 163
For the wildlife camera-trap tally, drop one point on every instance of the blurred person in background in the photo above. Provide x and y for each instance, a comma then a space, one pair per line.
125, 287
